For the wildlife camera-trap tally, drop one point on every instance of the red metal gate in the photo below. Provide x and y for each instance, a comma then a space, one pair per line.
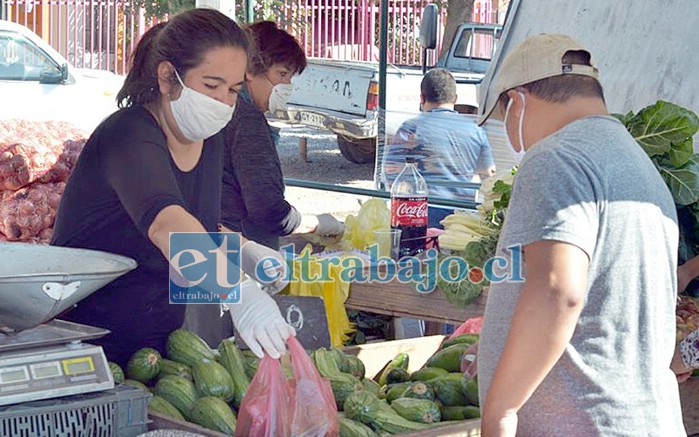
102, 33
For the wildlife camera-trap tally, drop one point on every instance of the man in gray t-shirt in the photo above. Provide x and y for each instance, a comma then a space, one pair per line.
579, 332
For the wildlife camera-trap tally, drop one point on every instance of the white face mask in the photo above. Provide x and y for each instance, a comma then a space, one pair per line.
199, 116
518, 154
279, 97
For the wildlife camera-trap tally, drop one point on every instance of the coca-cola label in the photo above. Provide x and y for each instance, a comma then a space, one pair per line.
409, 211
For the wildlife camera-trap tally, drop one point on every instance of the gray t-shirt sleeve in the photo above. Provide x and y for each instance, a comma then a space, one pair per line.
567, 214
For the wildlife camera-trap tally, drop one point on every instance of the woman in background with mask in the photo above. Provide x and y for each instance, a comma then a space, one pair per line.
154, 168
253, 186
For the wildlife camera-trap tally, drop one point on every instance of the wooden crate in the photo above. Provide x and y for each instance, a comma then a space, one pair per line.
689, 397
376, 355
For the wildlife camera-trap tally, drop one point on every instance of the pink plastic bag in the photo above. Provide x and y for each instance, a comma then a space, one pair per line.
275, 406
316, 412
268, 405
470, 326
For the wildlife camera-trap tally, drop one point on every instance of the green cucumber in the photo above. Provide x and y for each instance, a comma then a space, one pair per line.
169, 367
188, 348
179, 391
459, 412
469, 386
399, 361
213, 413
447, 389
144, 365
234, 362
427, 373
137, 384
417, 410
117, 372
448, 358
212, 379
160, 405
418, 390
352, 428
468, 339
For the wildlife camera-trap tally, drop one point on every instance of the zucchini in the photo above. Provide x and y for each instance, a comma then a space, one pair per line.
355, 367
117, 372
394, 391
459, 412
340, 358
469, 386
233, 361
417, 410
144, 365
396, 375
160, 405
137, 384
448, 358
418, 390
427, 373
448, 391
188, 348
371, 385
250, 362
365, 407
169, 367
399, 361
212, 379
342, 386
213, 413
179, 391
352, 428
468, 339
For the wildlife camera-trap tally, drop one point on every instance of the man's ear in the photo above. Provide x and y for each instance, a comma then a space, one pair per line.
455, 99
166, 77
516, 96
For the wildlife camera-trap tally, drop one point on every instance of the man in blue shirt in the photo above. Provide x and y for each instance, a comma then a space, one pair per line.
449, 147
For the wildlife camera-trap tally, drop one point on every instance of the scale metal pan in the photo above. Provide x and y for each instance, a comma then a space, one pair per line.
39, 282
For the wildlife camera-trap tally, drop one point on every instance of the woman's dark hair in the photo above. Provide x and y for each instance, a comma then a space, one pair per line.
271, 45
183, 40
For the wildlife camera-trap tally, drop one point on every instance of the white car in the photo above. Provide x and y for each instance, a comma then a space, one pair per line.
38, 83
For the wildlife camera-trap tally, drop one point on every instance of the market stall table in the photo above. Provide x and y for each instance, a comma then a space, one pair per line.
399, 299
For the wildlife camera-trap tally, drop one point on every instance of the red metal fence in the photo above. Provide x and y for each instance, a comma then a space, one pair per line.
102, 33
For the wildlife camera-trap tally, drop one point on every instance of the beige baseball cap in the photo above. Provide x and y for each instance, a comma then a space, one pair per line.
538, 57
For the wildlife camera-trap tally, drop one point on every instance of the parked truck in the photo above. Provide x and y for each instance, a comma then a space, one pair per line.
343, 96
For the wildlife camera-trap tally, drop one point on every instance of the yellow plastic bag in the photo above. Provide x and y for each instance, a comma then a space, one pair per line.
309, 279
359, 230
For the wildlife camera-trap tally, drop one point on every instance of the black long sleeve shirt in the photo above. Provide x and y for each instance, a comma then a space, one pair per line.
253, 185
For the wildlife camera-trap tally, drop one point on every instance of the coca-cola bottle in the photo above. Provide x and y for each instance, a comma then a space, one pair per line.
409, 208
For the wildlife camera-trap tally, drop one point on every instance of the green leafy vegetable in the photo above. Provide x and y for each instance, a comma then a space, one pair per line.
665, 131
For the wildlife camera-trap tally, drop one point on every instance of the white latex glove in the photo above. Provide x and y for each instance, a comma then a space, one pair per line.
259, 321
329, 226
252, 254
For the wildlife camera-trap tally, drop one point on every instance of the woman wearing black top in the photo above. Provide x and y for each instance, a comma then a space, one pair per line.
155, 167
253, 186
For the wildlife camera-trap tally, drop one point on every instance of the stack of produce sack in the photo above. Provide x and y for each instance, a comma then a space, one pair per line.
36, 159
205, 386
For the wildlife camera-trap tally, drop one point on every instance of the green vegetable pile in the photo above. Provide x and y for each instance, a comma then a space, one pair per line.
475, 239
197, 385
665, 131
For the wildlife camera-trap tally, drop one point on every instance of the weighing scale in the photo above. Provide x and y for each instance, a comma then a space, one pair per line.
43, 358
